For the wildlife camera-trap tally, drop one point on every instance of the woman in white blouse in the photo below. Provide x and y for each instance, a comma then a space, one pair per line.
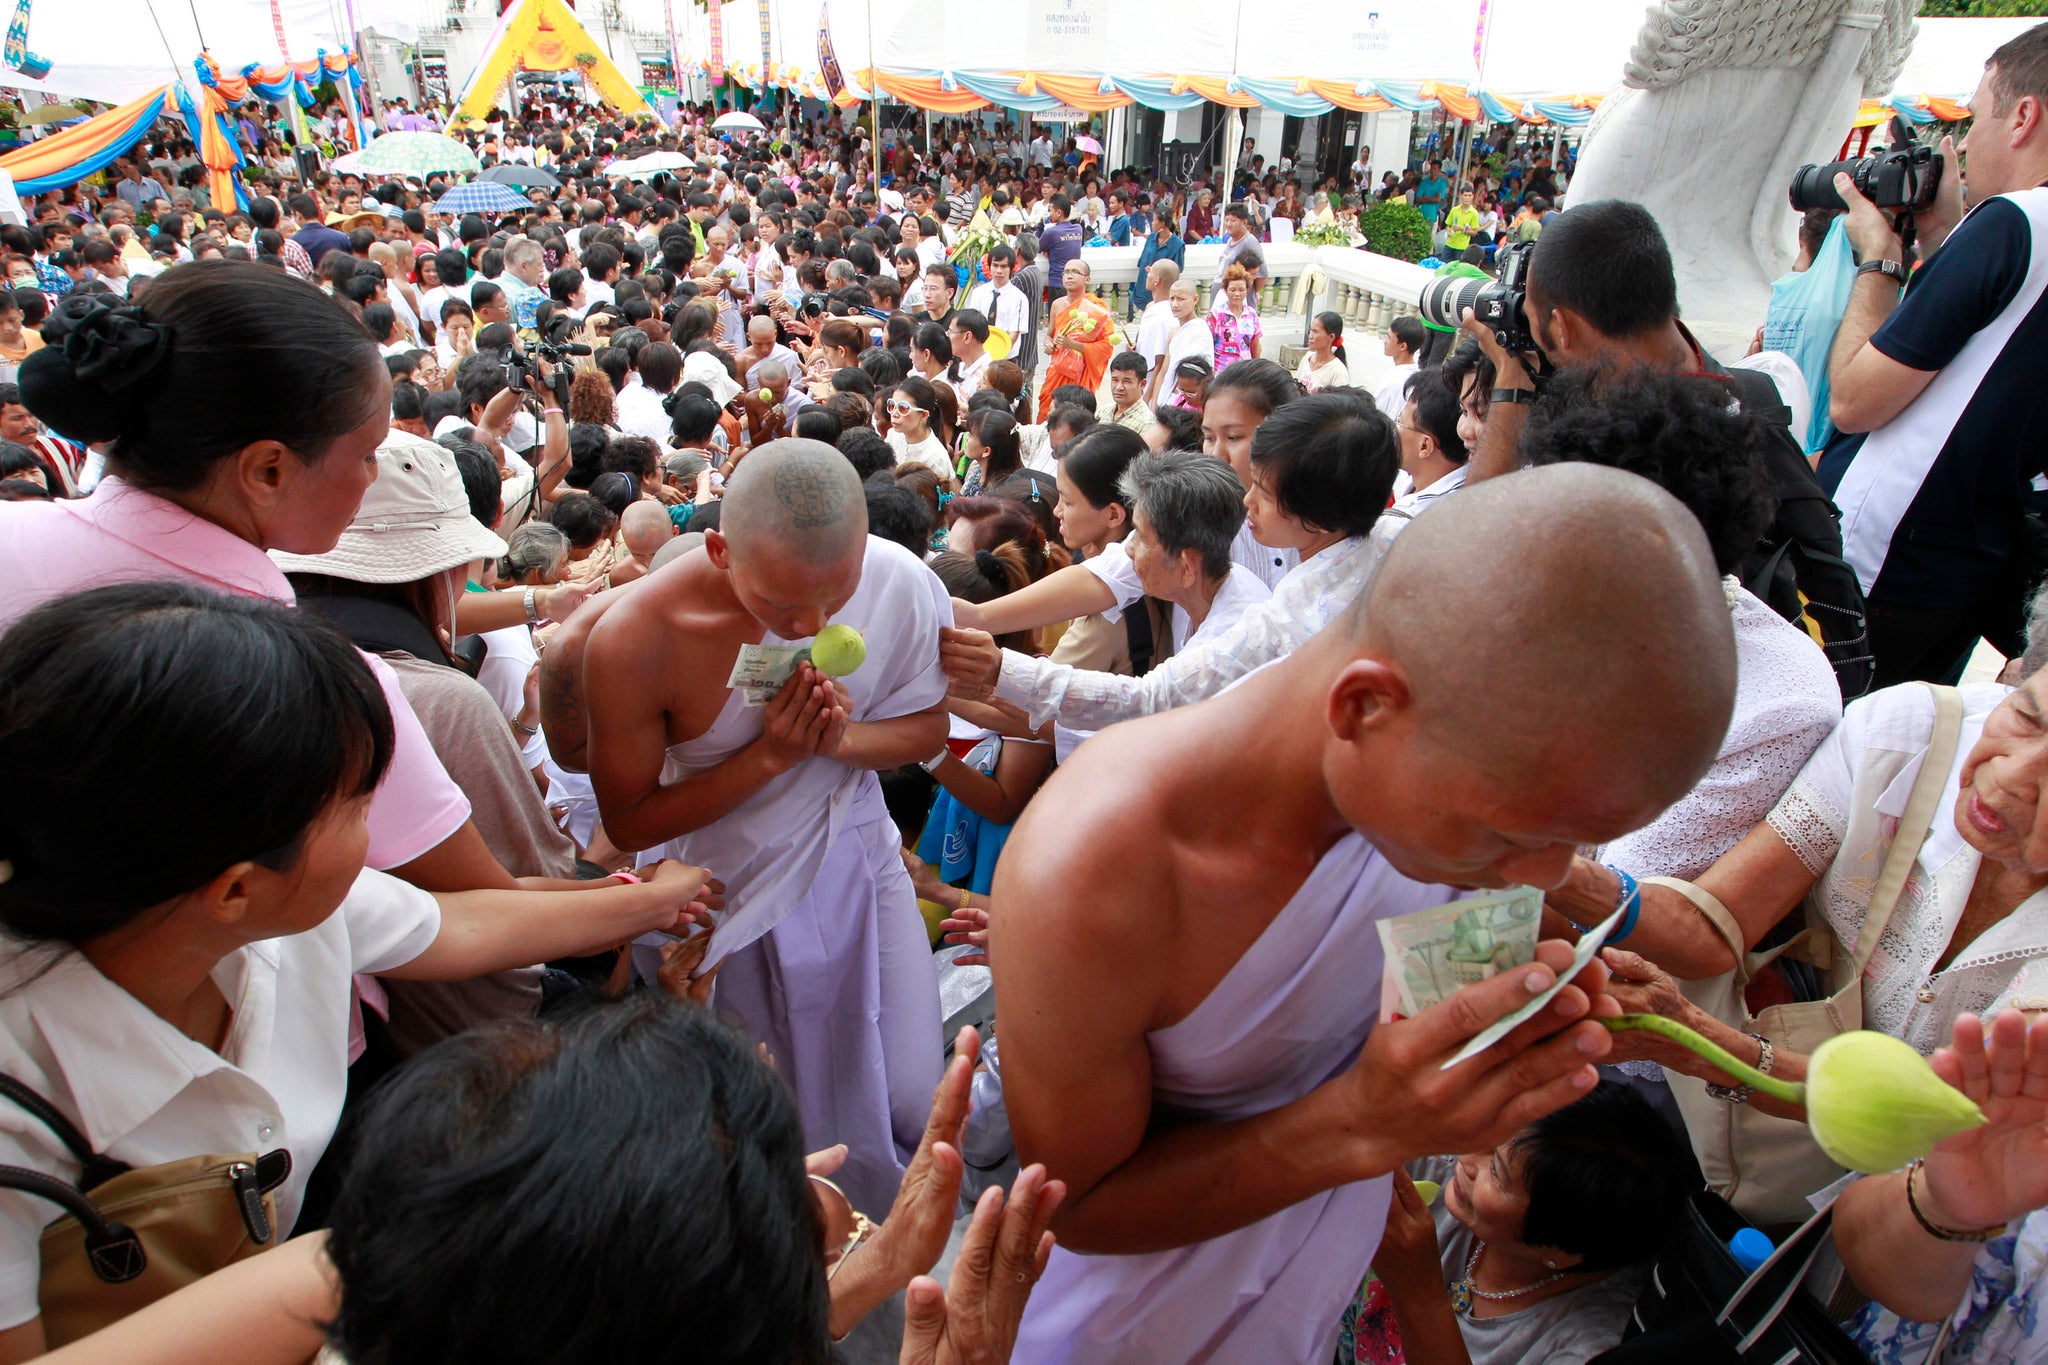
1970, 930
192, 996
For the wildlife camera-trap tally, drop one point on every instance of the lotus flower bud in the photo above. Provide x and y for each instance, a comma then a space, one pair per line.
838, 651
1874, 1104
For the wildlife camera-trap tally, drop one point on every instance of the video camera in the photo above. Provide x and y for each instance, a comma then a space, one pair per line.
554, 347
1501, 304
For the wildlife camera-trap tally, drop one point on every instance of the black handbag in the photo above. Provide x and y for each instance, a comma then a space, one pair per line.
1700, 1306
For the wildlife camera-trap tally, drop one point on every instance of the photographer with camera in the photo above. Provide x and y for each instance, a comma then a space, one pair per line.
1596, 292
1938, 395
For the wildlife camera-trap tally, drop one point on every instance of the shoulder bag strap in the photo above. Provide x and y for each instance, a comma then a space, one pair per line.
114, 1251
97, 1169
1928, 789
1709, 905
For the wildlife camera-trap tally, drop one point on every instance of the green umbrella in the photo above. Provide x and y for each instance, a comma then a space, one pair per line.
420, 154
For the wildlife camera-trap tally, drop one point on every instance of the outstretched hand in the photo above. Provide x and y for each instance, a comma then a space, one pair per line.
974, 1320
910, 1239
972, 660
1998, 1172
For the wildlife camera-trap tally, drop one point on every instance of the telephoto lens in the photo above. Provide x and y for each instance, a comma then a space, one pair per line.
1444, 301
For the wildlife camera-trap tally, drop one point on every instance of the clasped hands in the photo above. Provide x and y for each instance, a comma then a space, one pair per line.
807, 718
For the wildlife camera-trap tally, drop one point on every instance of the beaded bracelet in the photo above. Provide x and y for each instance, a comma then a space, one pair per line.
1936, 1230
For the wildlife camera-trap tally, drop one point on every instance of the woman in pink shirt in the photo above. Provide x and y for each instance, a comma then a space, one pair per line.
245, 409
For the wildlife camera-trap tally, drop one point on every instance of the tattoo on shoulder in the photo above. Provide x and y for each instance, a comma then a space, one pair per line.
804, 492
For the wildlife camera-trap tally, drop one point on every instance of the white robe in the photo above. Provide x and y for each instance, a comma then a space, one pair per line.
1291, 1013
826, 956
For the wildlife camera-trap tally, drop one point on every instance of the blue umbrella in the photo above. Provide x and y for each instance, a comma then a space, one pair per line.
481, 196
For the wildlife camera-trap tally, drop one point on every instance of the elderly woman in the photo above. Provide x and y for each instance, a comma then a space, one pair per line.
1966, 933
1320, 471
1185, 511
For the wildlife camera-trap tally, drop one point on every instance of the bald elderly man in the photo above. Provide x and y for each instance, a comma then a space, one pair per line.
821, 951
645, 528
1191, 1046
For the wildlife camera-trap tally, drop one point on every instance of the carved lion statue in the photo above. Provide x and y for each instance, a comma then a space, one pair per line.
1722, 100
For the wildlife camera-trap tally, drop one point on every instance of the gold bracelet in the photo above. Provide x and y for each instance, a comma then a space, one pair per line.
1936, 1230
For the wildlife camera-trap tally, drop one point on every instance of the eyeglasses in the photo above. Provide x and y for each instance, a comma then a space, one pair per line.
898, 406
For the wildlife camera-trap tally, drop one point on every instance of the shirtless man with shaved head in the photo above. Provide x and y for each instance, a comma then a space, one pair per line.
821, 951
1191, 1046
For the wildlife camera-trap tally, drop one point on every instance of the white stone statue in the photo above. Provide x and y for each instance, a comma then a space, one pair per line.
1722, 101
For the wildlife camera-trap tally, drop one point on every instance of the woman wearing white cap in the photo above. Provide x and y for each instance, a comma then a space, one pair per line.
390, 583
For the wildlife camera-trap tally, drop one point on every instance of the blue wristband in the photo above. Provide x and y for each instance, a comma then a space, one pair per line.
1631, 898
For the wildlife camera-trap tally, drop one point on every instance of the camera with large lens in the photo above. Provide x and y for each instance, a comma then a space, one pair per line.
1500, 304
1903, 179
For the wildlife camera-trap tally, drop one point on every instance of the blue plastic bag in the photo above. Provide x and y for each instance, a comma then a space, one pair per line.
1806, 307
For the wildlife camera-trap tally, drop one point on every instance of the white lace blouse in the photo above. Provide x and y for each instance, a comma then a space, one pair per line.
1786, 703
1839, 818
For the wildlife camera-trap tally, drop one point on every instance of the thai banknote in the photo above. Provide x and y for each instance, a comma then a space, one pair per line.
1432, 953
761, 670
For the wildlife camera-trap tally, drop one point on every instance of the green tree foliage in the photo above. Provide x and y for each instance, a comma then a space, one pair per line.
1982, 9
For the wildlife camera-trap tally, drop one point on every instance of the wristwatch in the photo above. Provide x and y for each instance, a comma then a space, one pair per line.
931, 765
1511, 396
1892, 269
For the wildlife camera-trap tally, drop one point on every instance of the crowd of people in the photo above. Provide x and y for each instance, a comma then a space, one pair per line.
686, 765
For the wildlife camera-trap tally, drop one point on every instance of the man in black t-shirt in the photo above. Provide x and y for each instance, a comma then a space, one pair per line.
1939, 396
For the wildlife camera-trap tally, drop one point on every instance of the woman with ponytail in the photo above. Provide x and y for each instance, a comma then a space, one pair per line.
1324, 367
244, 409
992, 448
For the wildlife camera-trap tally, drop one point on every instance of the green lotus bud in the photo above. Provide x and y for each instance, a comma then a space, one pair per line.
838, 651
1428, 1190
1874, 1104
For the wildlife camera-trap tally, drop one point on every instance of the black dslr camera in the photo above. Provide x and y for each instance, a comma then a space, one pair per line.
1901, 180
1501, 304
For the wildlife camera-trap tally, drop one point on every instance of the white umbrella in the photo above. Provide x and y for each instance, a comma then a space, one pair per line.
647, 164
736, 120
1088, 144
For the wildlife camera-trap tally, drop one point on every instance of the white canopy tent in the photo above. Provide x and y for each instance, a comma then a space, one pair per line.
1536, 46
116, 50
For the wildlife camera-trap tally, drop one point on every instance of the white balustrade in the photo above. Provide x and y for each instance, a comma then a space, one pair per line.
1368, 291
